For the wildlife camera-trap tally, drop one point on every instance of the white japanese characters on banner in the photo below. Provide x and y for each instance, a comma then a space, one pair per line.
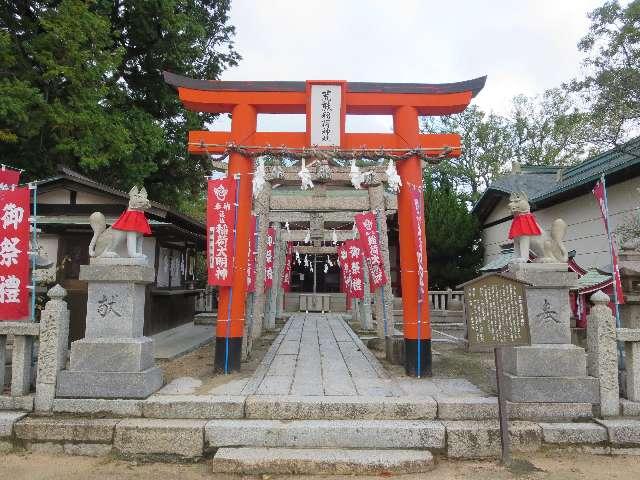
368, 230
288, 267
354, 269
14, 253
220, 226
269, 257
417, 220
326, 115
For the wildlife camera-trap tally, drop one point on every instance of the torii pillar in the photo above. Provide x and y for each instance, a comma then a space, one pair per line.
326, 104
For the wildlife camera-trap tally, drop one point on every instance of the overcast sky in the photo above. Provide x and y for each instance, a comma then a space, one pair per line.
522, 46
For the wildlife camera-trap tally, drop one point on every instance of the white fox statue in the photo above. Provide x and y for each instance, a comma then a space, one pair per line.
124, 237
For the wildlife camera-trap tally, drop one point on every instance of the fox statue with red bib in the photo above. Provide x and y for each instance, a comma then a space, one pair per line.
528, 236
128, 230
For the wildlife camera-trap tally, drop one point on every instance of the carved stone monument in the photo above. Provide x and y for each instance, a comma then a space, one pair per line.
114, 360
551, 369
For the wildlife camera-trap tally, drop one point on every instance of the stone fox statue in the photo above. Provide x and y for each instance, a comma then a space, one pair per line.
127, 230
527, 234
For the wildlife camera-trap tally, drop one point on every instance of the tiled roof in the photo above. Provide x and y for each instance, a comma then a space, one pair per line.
549, 185
591, 279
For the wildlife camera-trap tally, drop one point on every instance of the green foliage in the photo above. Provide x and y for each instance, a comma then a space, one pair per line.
546, 130
81, 85
454, 249
611, 85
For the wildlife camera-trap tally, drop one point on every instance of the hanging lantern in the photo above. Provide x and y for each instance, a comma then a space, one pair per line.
305, 177
393, 179
258, 178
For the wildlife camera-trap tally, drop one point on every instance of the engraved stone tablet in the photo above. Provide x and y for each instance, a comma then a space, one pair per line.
496, 311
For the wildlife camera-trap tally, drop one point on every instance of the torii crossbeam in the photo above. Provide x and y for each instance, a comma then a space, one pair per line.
326, 104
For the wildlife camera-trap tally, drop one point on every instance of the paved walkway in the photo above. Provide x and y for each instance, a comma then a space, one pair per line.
318, 354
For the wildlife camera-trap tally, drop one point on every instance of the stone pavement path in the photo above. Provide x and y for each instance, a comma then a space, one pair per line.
319, 355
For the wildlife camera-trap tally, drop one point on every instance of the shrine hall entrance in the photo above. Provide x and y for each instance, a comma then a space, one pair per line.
315, 278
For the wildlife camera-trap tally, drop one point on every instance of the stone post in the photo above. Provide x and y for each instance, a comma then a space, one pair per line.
377, 204
3, 359
52, 355
114, 360
277, 280
602, 357
366, 322
21, 362
270, 318
247, 339
261, 206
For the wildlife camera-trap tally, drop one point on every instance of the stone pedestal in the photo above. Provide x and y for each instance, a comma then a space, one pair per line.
114, 360
551, 369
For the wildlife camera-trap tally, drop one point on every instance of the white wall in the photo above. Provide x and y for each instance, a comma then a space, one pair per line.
55, 196
585, 232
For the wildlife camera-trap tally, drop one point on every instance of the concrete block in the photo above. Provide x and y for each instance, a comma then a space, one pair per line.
629, 408
549, 411
419, 434
45, 448
573, 433
24, 403
88, 449
467, 408
98, 406
286, 461
181, 438
548, 360
623, 431
22, 365
468, 439
339, 407
117, 273
193, 406
550, 389
66, 429
7, 420
75, 384
112, 354
115, 310
549, 315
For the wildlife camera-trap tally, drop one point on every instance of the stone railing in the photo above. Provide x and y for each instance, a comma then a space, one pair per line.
442, 299
205, 300
52, 335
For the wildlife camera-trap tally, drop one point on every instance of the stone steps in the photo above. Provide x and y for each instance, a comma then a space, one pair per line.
376, 434
289, 461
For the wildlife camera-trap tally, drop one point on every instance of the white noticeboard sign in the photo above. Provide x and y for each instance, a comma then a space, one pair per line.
326, 117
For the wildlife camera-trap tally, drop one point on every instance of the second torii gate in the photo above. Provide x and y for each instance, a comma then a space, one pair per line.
326, 104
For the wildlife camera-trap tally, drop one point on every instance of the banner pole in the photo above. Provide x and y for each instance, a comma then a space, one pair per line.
614, 271
235, 253
384, 306
33, 253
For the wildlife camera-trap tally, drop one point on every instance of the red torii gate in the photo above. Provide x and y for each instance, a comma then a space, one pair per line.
405, 101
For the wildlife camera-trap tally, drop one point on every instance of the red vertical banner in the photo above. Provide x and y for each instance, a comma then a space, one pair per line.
286, 272
14, 253
354, 267
221, 197
251, 260
8, 178
370, 241
268, 258
417, 221
599, 191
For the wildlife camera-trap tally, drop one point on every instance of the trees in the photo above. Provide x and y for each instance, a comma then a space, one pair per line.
81, 84
611, 85
454, 249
